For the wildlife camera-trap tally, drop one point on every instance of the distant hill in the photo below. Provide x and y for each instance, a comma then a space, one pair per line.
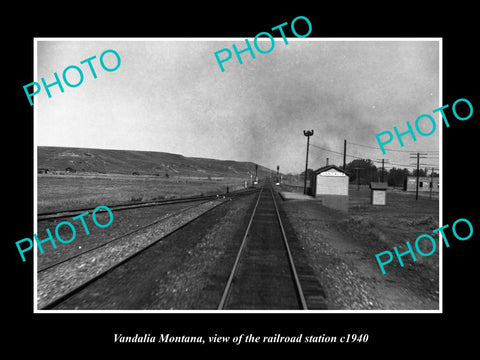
85, 160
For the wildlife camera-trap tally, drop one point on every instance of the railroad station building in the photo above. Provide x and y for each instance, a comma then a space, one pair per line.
330, 184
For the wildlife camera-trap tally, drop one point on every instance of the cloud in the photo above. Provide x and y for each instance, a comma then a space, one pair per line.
171, 96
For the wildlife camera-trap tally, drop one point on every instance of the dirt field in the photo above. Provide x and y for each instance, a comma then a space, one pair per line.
342, 248
71, 191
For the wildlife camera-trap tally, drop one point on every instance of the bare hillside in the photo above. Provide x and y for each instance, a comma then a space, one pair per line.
84, 160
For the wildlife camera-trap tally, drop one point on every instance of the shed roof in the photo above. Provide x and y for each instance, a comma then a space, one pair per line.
378, 186
329, 167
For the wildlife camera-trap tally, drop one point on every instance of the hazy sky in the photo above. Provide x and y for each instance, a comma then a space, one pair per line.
171, 96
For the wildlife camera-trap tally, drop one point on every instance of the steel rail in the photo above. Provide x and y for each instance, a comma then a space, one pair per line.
120, 237
226, 291
290, 258
119, 207
74, 291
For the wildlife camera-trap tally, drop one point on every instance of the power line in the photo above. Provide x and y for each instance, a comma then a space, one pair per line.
353, 156
336, 152
405, 165
377, 148
362, 158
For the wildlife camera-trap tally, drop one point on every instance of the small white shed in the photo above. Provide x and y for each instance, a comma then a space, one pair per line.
379, 193
330, 180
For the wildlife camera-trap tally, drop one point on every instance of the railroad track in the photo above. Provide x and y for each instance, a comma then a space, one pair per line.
264, 275
70, 285
196, 200
136, 205
117, 238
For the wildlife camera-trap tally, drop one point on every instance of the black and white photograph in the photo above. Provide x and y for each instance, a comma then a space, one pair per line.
214, 202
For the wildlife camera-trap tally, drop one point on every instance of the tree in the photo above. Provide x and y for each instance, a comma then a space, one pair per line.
421, 172
368, 172
309, 174
397, 176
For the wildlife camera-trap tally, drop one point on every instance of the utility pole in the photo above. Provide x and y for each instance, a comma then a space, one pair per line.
412, 156
344, 154
307, 134
278, 177
358, 177
431, 183
383, 168
327, 162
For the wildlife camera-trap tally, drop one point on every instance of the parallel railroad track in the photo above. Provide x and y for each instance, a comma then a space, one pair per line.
263, 277
57, 300
119, 207
117, 238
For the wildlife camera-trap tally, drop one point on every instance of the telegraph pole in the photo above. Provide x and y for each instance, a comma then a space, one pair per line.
383, 168
307, 134
358, 177
344, 154
412, 156
431, 183
418, 174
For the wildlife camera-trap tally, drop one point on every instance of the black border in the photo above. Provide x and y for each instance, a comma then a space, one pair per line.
89, 333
